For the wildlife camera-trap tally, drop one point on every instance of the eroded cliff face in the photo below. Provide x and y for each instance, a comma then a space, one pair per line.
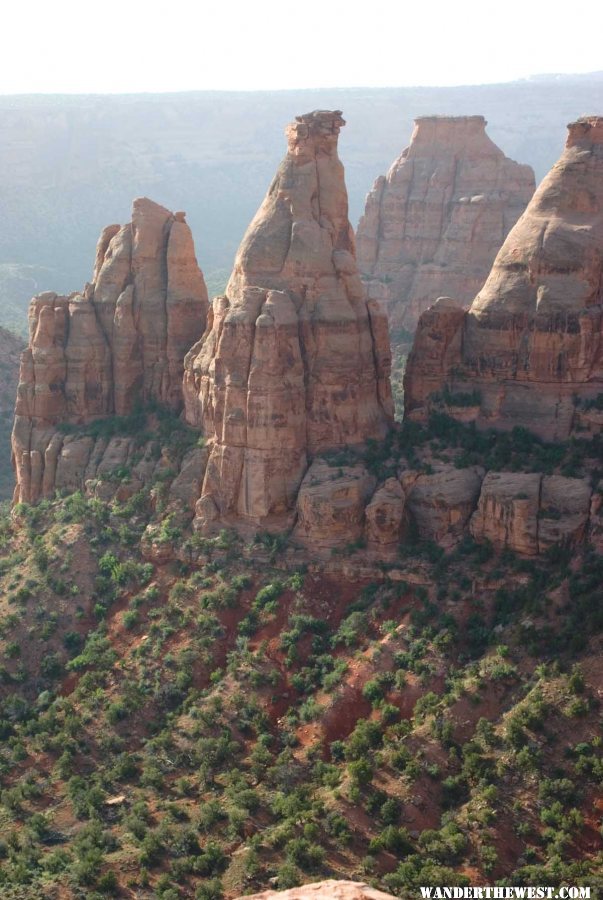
118, 344
295, 361
529, 350
434, 223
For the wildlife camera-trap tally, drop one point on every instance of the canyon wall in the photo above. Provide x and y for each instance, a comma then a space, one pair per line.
433, 225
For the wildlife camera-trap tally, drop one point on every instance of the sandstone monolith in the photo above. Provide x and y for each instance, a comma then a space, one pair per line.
435, 222
295, 360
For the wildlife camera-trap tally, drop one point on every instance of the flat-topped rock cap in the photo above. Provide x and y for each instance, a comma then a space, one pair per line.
452, 120
319, 123
455, 128
585, 131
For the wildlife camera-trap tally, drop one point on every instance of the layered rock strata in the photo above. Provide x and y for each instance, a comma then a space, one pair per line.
529, 351
529, 513
295, 361
118, 344
343, 507
435, 222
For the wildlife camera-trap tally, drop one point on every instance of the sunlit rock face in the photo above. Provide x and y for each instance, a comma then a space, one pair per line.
529, 350
118, 344
295, 360
325, 890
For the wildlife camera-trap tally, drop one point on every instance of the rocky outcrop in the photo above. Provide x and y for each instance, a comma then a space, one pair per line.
529, 513
596, 519
441, 503
342, 507
385, 515
294, 361
325, 890
507, 515
529, 351
119, 343
331, 505
435, 222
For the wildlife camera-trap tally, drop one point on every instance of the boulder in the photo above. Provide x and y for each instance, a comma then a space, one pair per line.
385, 514
529, 513
331, 505
507, 513
441, 504
564, 511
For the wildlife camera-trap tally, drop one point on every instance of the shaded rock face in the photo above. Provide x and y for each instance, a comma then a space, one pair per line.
434, 224
82, 463
11, 347
385, 515
529, 513
530, 347
118, 343
325, 890
294, 360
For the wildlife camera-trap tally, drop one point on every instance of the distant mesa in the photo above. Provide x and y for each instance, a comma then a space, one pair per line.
435, 222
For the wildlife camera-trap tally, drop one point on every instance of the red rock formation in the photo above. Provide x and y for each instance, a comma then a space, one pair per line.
529, 513
434, 224
118, 343
325, 890
529, 350
331, 505
294, 360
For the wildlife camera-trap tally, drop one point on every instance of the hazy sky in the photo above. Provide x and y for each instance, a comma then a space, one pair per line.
129, 46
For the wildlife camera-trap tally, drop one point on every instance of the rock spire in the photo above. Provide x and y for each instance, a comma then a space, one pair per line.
119, 343
295, 361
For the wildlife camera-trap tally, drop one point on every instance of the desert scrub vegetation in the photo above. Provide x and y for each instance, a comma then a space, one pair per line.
214, 727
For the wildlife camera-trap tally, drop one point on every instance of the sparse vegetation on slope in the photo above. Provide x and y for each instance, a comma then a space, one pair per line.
204, 729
